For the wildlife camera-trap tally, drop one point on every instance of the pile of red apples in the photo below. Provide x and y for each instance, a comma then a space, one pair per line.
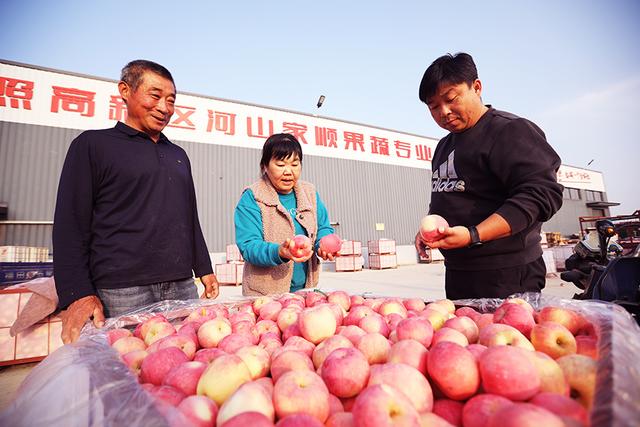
314, 359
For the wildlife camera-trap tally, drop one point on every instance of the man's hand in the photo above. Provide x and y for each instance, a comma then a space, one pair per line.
211, 287
453, 238
77, 314
421, 246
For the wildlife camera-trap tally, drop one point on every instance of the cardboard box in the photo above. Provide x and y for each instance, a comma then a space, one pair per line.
233, 253
380, 261
351, 247
229, 273
349, 263
31, 345
382, 246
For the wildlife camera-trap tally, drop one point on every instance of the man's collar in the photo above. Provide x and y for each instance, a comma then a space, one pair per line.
123, 127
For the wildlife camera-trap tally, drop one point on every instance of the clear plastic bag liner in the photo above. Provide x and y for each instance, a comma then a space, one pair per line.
86, 384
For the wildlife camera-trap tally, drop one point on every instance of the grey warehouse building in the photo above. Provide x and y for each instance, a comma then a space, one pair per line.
375, 182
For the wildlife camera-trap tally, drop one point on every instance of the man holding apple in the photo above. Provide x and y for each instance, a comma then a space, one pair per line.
494, 182
126, 231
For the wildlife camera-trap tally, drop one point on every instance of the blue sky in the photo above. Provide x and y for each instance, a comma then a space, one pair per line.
573, 67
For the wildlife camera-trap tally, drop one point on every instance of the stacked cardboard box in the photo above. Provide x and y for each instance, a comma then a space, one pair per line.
230, 273
350, 258
23, 254
382, 254
32, 344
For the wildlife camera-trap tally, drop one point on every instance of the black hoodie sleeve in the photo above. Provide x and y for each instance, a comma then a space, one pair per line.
527, 166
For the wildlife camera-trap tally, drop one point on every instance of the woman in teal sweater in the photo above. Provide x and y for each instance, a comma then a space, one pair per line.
270, 212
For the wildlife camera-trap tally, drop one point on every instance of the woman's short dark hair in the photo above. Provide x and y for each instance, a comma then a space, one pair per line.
132, 72
448, 69
279, 146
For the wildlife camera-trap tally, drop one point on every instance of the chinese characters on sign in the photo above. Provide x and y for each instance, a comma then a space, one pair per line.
83, 101
568, 175
18, 91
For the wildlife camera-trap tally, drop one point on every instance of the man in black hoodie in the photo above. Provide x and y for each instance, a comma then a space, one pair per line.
494, 181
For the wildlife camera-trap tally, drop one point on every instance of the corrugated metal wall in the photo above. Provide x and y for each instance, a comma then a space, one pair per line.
357, 194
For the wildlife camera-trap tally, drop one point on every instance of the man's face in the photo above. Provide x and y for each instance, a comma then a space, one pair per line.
151, 105
456, 107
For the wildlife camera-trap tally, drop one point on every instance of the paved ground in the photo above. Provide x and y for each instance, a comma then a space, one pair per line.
419, 280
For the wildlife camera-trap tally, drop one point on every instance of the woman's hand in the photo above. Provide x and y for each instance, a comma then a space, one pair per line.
327, 256
285, 252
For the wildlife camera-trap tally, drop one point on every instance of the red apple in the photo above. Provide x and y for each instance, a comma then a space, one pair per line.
432, 228
345, 372
317, 323
185, 376
340, 419
133, 360
565, 316
200, 411
223, 377
551, 376
477, 411
270, 310
524, 415
553, 339
183, 342
157, 365
299, 420
249, 397
587, 345
207, 355
303, 392
128, 344
580, 372
115, 334
234, 342
212, 331
375, 347
301, 246
450, 410
409, 381
501, 334
454, 370
381, 405
515, 315
562, 406
290, 360
466, 326
508, 371
253, 419
332, 244
257, 360
449, 335
374, 323
326, 347
300, 344
417, 329
409, 352
392, 306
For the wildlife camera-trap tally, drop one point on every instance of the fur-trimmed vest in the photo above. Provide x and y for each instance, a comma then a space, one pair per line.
277, 226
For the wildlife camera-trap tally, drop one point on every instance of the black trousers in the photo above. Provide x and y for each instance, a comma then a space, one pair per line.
497, 283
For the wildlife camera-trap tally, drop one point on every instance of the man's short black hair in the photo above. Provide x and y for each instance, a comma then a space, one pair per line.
132, 72
280, 146
448, 69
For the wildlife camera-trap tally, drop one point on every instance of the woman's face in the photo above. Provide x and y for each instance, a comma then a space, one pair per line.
284, 173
